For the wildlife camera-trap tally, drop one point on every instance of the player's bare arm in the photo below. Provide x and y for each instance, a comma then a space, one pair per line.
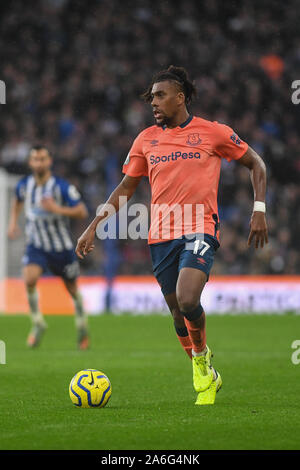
258, 224
77, 212
13, 227
127, 187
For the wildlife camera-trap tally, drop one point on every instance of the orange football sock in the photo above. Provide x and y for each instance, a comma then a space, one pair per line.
184, 339
197, 333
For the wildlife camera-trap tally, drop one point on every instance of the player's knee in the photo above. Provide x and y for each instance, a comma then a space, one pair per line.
31, 276
187, 302
30, 283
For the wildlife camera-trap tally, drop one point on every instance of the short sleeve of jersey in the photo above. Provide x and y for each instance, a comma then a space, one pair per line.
70, 194
136, 163
227, 143
20, 190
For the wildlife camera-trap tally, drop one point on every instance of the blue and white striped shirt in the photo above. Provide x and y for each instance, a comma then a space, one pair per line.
46, 230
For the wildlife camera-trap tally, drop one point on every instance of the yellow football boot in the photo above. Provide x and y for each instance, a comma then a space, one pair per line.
208, 396
202, 371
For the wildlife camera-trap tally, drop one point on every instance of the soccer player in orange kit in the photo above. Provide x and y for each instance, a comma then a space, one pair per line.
181, 155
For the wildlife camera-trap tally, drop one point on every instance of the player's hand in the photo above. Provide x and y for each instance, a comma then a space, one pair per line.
85, 243
48, 204
13, 231
259, 230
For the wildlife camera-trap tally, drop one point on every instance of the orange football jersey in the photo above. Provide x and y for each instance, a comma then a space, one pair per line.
183, 166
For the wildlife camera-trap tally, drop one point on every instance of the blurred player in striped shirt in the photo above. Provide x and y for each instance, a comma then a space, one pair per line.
49, 202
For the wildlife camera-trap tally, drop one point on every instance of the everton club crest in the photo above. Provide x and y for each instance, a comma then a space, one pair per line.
193, 140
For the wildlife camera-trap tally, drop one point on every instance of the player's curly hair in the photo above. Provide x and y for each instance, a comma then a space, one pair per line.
175, 74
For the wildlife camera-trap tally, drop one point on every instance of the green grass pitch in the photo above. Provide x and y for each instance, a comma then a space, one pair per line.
152, 403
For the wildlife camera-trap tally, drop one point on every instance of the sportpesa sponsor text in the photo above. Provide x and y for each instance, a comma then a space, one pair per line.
173, 156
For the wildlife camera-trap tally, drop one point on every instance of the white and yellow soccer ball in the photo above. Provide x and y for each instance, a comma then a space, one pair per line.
90, 388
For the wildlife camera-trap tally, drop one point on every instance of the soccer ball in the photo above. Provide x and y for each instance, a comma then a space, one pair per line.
90, 388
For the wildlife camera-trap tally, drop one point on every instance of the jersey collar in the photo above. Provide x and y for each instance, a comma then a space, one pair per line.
184, 124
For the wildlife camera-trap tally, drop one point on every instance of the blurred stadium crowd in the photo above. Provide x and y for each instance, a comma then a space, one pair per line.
74, 71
